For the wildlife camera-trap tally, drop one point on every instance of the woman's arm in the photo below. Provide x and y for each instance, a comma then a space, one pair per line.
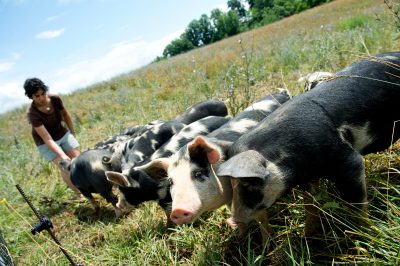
68, 120
48, 140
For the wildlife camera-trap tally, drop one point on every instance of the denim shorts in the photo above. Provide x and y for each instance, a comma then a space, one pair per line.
66, 143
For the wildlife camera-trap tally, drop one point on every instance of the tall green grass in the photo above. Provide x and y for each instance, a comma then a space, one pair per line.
326, 38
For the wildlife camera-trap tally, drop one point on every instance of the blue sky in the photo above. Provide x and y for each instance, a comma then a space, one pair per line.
70, 44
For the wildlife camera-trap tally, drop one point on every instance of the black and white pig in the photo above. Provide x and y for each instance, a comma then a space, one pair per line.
149, 138
202, 126
87, 173
195, 188
322, 133
130, 133
137, 186
136, 150
201, 110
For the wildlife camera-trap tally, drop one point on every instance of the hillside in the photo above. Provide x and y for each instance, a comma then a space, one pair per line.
238, 70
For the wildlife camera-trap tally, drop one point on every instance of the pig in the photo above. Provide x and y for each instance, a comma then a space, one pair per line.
88, 175
320, 134
132, 150
201, 110
137, 186
195, 188
200, 127
112, 142
313, 79
136, 150
149, 142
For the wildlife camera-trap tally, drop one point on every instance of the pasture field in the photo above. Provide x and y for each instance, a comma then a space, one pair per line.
239, 70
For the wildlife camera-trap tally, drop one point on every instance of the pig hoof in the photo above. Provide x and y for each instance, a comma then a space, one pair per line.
232, 223
96, 209
313, 230
118, 213
170, 223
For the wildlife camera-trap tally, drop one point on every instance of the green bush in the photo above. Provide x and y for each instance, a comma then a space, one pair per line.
355, 22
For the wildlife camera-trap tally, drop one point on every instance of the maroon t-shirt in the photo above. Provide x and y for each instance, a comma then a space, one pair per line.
51, 120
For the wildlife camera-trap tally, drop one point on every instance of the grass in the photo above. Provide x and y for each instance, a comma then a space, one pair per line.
237, 69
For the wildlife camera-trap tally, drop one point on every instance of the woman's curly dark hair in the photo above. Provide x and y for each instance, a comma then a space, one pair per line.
32, 85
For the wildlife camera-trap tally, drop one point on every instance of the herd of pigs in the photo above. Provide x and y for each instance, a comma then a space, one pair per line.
204, 159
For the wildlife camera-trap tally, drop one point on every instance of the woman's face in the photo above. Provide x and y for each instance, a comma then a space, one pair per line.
39, 97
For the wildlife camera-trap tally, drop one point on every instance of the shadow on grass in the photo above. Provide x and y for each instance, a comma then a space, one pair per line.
81, 209
52, 207
88, 215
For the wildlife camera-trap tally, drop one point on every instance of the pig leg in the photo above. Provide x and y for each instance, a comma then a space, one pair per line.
111, 198
242, 227
352, 187
313, 223
92, 201
262, 219
265, 227
351, 182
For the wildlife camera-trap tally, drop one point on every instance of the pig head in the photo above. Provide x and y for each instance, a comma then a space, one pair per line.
195, 187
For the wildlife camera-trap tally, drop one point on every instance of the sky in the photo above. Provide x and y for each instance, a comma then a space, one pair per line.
70, 44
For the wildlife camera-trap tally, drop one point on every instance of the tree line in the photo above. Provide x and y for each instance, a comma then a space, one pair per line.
242, 15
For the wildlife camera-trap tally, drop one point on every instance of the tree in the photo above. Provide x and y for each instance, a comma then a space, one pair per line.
236, 5
225, 24
232, 23
261, 4
284, 8
221, 25
258, 8
218, 21
200, 32
178, 46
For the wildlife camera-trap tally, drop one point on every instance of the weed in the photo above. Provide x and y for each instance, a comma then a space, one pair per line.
239, 80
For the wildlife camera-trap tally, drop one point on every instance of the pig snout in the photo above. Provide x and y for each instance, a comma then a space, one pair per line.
181, 216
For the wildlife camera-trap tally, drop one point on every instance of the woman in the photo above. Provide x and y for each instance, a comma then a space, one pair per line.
45, 114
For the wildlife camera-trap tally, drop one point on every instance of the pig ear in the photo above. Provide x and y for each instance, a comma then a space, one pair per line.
248, 164
156, 169
117, 178
200, 144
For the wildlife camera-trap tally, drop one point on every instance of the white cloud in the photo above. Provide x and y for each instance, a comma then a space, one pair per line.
6, 66
50, 34
122, 58
12, 95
